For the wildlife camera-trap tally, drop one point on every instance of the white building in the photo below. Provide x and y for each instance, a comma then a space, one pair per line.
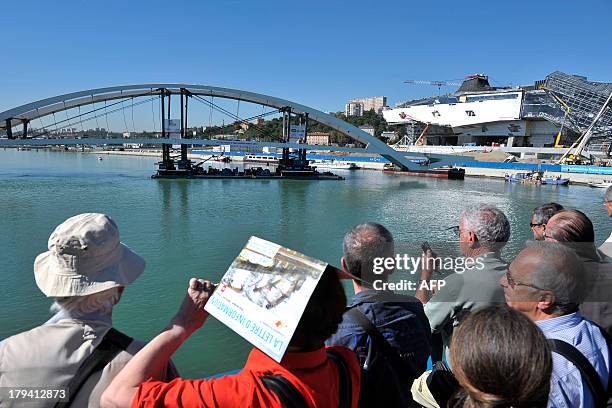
356, 107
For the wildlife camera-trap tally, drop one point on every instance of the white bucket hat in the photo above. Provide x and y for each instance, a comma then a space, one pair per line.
85, 256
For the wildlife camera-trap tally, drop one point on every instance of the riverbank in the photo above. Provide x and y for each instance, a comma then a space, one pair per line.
575, 178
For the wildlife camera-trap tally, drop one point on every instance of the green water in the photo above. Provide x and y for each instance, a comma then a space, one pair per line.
186, 228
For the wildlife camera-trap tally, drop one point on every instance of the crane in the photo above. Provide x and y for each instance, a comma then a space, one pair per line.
439, 84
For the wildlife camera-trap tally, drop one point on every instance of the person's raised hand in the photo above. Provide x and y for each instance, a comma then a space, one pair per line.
191, 315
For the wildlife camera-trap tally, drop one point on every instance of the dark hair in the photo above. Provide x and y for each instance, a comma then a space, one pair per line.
362, 245
544, 212
501, 359
323, 313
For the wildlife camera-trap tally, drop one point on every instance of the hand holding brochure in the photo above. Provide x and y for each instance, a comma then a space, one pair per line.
263, 294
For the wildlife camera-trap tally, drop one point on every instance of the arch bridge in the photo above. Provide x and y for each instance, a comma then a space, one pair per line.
24, 114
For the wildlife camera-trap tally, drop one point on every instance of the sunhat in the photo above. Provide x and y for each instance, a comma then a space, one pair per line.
85, 256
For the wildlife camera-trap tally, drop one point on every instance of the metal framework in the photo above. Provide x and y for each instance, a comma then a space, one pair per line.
583, 100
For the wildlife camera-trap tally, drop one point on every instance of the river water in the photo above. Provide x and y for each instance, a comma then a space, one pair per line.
186, 228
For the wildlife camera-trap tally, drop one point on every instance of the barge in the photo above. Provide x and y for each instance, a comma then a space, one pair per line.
451, 173
282, 172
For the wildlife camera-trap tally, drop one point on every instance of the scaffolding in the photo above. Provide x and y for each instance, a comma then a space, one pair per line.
587, 104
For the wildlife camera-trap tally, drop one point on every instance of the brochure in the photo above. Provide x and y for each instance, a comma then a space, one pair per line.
264, 292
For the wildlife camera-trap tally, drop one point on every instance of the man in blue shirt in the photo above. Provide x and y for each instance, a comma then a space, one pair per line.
400, 319
546, 282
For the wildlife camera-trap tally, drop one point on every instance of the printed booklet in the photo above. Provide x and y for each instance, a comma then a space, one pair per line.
264, 292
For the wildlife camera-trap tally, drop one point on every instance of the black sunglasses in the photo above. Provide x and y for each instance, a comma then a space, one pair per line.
532, 225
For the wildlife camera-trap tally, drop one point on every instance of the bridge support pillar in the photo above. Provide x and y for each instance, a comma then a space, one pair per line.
184, 163
166, 162
25, 129
9, 129
303, 151
286, 131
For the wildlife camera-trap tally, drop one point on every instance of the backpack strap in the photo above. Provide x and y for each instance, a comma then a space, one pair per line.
288, 395
590, 376
400, 365
112, 344
346, 389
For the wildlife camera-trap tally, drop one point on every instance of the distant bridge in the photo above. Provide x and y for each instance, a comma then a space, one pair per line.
22, 115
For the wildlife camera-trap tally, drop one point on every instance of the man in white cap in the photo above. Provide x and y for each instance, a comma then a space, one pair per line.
77, 353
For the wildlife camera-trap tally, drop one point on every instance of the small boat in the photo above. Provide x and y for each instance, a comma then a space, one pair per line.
535, 177
100, 158
334, 164
602, 184
519, 177
556, 181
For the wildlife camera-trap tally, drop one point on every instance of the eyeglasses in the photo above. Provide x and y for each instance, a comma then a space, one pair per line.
514, 283
532, 225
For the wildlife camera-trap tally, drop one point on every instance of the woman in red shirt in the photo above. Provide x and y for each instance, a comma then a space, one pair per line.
306, 364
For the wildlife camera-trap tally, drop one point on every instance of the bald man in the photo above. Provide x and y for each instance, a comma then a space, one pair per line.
574, 229
545, 282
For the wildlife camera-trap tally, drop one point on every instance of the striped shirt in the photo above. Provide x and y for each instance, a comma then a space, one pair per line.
567, 386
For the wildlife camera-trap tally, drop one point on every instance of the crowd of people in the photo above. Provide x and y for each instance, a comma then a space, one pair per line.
534, 332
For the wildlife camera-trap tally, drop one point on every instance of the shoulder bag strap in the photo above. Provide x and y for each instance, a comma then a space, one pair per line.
346, 389
112, 344
392, 355
589, 374
289, 396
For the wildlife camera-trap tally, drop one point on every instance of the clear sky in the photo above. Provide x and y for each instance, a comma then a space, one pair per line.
319, 53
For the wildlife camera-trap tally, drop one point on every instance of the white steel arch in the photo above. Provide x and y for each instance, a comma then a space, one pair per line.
44, 107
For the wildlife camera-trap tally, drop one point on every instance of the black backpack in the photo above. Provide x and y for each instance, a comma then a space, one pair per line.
602, 393
386, 377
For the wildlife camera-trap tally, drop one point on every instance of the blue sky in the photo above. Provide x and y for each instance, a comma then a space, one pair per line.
316, 53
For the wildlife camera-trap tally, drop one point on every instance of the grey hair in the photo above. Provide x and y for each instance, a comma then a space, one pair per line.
545, 212
560, 271
102, 302
608, 196
362, 245
489, 224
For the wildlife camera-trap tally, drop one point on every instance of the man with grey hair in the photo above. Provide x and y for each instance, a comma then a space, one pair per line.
378, 316
483, 231
77, 352
575, 230
546, 283
606, 247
